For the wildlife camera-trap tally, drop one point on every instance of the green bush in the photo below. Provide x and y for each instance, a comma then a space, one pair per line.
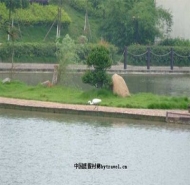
84, 48
4, 12
82, 5
99, 59
78, 5
45, 52
175, 42
160, 55
66, 54
97, 78
29, 52
35, 14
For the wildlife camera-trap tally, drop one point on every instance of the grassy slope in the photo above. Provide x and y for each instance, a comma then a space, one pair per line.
77, 26
76, 96
32, 33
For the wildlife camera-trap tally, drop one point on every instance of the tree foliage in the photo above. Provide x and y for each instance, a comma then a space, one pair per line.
93, 7
9, 28
175, 42
14, 4
66, 54
3, 12
35, 14
125, 22
9, 6
99, 59
131, 21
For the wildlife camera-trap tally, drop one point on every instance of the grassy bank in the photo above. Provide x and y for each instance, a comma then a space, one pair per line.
75, 96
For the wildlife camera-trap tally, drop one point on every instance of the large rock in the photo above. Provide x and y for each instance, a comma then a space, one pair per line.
119, 86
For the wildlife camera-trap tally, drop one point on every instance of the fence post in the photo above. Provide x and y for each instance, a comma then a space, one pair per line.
148, 58
125, 58
172, 59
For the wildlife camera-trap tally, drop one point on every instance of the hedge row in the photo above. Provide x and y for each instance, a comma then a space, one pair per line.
35, 14
29, 52
46, 52
159, 55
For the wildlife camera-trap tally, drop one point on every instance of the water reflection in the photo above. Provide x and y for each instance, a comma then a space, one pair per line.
164, 84
89, 120
42, 149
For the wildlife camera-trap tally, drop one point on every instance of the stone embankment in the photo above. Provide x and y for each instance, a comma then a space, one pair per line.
119, 69
146, 114
32, 105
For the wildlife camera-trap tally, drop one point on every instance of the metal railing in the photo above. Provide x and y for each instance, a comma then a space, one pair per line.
150, 53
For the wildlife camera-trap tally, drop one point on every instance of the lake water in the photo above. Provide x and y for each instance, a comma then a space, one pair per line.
42, 149
164, 84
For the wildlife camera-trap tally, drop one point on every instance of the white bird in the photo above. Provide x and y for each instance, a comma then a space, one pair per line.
95, 101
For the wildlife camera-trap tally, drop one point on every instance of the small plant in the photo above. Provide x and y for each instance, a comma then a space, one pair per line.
66, 54
99, 59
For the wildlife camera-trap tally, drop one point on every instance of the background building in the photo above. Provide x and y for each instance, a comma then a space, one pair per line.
180, 9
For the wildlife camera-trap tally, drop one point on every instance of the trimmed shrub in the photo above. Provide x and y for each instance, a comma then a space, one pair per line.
29, 52
98, 58
175, 42
36, 14
84, 48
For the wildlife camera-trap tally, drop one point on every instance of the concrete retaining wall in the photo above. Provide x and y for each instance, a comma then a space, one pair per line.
82, 112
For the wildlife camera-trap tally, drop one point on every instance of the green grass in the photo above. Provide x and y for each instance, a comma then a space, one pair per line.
75, 96
37, 33
34, 33
77, 25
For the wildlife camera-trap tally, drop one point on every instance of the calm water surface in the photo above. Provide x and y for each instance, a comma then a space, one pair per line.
41, 149
164, 84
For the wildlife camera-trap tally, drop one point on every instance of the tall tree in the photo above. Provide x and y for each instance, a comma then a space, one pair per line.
11, 5
133, 21
9, 27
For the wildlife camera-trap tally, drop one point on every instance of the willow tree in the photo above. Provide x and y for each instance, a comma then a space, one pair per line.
66, 54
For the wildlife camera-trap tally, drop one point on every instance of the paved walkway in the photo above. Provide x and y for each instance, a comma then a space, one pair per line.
146, 114
81, 68
87, 109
